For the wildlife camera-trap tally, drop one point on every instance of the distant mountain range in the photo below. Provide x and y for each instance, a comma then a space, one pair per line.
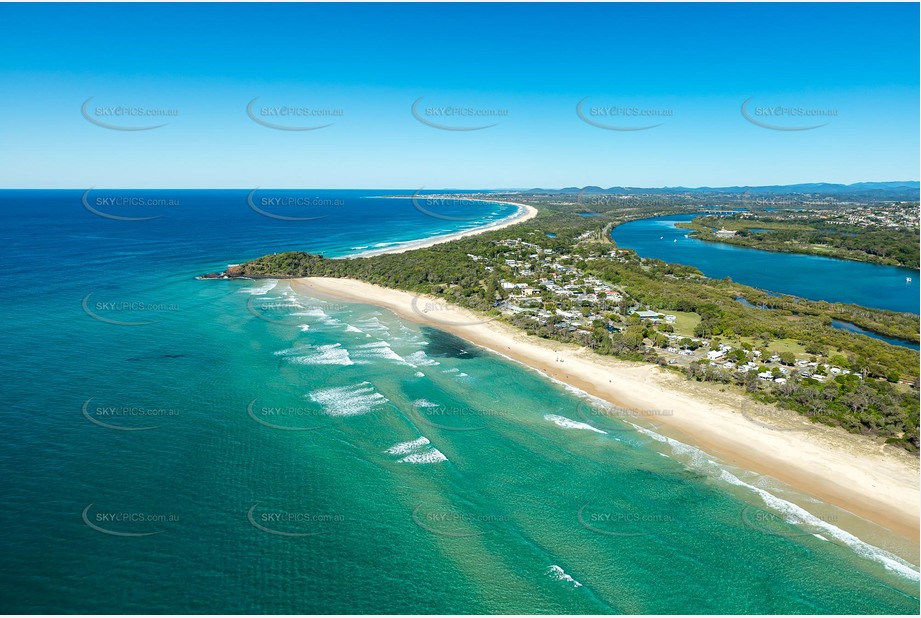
896, 190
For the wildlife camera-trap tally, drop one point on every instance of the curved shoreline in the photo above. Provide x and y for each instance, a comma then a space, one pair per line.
524, 213
840, 469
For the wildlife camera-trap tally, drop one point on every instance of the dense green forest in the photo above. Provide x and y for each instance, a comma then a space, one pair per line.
878, 395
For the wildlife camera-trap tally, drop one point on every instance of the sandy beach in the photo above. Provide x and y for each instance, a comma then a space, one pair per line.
524, 213
848, 471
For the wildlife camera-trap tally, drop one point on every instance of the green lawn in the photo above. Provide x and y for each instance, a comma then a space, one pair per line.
776, 346
685, 322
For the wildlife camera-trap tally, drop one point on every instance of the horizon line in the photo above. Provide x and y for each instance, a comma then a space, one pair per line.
471, 189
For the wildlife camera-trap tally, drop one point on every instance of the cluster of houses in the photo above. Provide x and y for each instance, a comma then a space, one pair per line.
896, 216
558, 293
778, 373
551, 278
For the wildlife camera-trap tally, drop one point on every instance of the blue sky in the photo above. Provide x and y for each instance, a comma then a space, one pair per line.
687, 68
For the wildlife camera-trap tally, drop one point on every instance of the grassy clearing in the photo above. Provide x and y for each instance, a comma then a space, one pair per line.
685, 322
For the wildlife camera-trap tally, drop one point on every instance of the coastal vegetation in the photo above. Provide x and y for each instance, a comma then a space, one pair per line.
561, 277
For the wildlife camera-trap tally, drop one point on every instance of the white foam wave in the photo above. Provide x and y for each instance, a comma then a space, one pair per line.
352, 400
374, 345
292, 299
304, 327
402, 448
351, 329
691, 456
699, 459
331, 354
313, 312
419, 374
419, 359
319, 314
378, 350
260, 290
392, 243
795, 514
424, 403
373, 324
557, 573
300, 349
568, 423
432, 455
417, 451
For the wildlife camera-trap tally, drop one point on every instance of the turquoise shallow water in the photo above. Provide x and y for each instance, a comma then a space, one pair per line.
253, 450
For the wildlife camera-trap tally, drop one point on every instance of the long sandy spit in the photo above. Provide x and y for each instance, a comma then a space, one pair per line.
523, 213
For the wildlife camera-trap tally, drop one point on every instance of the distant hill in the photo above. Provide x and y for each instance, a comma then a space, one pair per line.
907, 190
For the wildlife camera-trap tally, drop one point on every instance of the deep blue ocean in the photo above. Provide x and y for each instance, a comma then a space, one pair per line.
183, 446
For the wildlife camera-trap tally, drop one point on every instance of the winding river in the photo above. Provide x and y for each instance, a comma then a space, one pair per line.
807, 276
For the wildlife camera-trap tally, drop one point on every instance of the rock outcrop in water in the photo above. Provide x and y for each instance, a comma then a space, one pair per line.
286, 265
